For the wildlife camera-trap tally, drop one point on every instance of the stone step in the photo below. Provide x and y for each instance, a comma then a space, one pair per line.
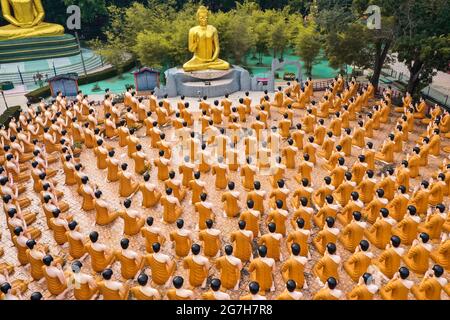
38, 41
38, 48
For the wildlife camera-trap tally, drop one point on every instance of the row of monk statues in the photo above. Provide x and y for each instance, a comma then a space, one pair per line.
327, 195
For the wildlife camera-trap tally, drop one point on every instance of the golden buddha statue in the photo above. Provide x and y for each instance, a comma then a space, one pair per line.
26, 20
204, 43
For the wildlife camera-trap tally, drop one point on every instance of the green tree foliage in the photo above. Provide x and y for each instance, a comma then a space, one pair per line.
262, 41
94, 13
348, 48
164, 43
236, 30
380, 41
279, 35
308, 45
348, 40
155, 31
424, 40
112, 52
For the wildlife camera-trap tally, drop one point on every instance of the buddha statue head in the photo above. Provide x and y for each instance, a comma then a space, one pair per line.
202, 16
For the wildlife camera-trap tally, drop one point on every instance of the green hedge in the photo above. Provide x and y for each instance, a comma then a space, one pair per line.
7, 85
11, 112
33, 96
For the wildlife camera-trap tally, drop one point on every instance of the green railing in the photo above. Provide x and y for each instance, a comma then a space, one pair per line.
34, 96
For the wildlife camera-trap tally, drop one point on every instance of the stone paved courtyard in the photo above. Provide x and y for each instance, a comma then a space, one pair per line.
112, 234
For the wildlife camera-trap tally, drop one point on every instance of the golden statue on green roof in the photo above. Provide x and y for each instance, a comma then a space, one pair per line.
26, 18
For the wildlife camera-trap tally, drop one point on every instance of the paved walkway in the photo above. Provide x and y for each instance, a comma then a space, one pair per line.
13, 97
441, 82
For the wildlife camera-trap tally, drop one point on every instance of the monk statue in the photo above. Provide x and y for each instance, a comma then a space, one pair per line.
204, 43
26, 18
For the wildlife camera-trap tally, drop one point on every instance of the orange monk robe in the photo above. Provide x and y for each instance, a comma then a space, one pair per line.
352, 234
293, 268
161, 266
273, 243
396, 289
357, 264
388, 262
197, 267
430, 288
261, 271
417, 258
327, 267
211, 242
242, 240
229, 268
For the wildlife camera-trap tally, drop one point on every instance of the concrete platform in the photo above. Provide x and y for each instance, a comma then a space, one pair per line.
211, 83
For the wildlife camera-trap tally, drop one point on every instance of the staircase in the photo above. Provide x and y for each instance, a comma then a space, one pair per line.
92, 62
38, 48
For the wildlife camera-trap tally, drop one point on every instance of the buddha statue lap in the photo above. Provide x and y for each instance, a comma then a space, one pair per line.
26, 18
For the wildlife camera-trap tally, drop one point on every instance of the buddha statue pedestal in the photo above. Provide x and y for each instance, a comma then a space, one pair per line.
28, 37
205, 74
37, 48
210, 83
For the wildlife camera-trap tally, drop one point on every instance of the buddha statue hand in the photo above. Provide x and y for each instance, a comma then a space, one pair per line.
39, 18
195, 41
26, 18
24, 25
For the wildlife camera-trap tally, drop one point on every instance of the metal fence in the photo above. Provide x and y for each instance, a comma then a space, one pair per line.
322, 85
39, 77
397, 76
436, 96
429, 93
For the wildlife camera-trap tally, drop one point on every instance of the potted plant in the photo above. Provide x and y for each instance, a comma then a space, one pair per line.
119, 98
6, 85
289, 76
96, 88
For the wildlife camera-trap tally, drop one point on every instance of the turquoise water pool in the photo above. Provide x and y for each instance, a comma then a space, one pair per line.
116, 84
321, 70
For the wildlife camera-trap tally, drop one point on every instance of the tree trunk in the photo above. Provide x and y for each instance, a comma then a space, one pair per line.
414, 78
308, 67
237, 59
380, 57
343, 70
